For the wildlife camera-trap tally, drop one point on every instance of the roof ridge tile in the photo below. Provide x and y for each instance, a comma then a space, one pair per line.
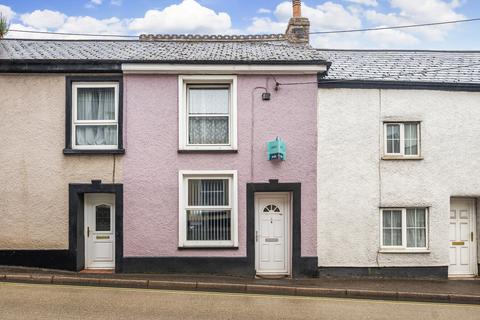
214, 37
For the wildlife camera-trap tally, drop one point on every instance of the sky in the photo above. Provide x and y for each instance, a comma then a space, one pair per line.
134, 17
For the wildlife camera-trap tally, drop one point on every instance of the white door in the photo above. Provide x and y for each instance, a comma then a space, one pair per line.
272, 233
462, 238
99, 231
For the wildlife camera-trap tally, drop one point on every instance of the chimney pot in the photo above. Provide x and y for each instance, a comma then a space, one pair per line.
297, 8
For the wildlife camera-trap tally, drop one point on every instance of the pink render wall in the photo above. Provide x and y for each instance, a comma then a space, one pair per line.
152, 161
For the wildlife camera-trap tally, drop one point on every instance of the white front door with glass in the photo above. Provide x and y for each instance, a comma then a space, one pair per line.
99, 231
462, 238
272, 233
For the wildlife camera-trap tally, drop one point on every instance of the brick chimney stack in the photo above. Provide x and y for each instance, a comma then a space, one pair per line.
298, 27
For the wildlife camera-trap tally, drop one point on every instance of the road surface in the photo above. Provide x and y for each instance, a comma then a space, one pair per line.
34, 301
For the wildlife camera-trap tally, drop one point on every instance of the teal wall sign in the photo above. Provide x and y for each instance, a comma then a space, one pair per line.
277, 150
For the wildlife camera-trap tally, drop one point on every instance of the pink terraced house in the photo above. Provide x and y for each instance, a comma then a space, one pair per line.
164, 154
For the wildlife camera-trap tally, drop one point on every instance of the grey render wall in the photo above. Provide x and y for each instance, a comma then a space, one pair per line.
34, 172
353, 181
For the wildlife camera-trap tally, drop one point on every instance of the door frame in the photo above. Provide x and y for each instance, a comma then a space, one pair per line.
288, 232
300, 266
474, 243
76, 232
112, 225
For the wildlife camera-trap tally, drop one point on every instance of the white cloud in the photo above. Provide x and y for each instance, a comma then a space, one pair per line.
427, 10
85, 25
327, 16
264, 11
186, 17
266, 25
392, 38
337, 41
419, 12
372, 3
43, 19
7, 12
94, 26
93, 3
116, 2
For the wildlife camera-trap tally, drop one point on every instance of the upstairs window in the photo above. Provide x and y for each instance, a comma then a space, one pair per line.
94, 115
95, 121
208, 113
402, 139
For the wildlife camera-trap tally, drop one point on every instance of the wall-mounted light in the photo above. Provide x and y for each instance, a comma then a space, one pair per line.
266, 96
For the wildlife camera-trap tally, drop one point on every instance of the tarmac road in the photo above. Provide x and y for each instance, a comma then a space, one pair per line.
34, 301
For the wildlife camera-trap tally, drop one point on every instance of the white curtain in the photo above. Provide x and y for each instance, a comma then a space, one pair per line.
208, 100
96, 104
411, 139
393, 138
392, 227
96, 135
208, 130
208, 115
416, 228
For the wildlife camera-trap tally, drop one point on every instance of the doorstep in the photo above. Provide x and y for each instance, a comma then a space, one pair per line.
445, 291
97, 271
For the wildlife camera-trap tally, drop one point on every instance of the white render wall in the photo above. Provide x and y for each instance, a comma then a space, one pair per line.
353, 181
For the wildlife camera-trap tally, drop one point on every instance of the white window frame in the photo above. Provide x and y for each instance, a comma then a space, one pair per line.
75, 121
183, 82
403, 247
183, 177
402, 139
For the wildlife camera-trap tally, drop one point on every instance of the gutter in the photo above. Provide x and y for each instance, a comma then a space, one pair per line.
399, 85
113, 66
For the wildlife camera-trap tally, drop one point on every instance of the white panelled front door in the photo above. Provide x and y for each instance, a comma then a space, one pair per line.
462, 237
272, 233
99, 231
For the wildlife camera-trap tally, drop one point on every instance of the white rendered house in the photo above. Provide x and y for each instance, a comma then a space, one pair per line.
398, 150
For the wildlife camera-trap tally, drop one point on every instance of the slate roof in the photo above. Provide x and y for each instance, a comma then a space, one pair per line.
442, 67
173, 51
403, 65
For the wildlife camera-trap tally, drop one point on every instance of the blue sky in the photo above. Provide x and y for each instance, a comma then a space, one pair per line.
261, 16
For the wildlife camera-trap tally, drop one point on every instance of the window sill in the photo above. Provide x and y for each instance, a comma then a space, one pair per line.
424, 251
68, 151
207, 151
401, 158
207, 248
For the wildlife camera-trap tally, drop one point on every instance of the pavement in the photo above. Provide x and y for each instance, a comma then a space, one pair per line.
37, 301
446, 291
